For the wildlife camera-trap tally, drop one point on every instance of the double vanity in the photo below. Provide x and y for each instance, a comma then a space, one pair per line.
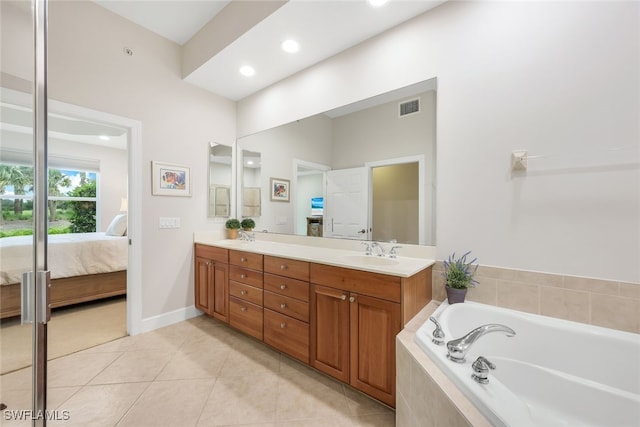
336, 310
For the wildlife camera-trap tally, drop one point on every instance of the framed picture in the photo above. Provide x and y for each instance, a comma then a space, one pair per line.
170, 180
280, 190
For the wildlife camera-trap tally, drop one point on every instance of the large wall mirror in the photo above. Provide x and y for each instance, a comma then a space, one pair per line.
363, 171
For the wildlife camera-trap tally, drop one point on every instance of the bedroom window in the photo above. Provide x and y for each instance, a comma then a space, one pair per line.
71, 207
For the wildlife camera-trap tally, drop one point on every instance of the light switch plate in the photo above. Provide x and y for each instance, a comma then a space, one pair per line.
169, 222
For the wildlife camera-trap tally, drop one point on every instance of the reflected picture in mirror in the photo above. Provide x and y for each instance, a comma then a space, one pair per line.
382, 153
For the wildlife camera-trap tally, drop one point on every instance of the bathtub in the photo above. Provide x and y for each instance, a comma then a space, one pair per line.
552, 373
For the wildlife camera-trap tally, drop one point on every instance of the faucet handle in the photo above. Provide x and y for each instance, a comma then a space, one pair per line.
438, 335
393, 252
367, 250
481, 370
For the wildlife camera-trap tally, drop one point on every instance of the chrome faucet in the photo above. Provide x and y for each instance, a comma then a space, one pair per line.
378, 248
458, 348
249, 237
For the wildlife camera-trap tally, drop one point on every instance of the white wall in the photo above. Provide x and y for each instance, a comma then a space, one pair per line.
554, 78
87, 67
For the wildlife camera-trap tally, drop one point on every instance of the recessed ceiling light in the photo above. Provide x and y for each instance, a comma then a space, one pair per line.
247, 70
104, 137
377, 3
290, 46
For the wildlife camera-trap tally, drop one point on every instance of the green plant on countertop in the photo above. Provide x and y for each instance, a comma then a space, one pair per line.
248, 224
232, 224
458, 273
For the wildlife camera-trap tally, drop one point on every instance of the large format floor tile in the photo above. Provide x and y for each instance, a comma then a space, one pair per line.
199, 372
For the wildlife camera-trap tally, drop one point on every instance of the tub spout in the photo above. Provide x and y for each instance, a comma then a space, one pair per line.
458, 348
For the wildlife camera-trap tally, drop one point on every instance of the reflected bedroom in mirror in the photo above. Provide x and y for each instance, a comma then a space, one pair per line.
363, 171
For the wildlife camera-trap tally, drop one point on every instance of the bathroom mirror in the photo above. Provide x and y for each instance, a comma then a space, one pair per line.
380, 134
220, 161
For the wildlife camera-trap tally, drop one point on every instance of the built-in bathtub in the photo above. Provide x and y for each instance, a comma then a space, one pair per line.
552, 373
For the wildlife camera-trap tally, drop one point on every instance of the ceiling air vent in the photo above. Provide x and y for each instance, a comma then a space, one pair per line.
409, 107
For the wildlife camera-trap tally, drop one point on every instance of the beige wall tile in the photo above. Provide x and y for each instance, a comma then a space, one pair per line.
615, 312
564, 304
485, 292
630, 290
518, 296
498, 273
607, 287
542, 279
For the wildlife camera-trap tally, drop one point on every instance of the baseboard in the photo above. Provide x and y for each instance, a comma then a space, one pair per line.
166, 319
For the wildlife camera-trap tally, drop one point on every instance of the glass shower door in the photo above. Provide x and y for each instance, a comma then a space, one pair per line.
23, 194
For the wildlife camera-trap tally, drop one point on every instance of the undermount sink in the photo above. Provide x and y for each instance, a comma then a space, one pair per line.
371, 260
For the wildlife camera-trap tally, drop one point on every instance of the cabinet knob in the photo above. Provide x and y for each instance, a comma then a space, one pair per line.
243, 292
243, 259
242, 276
352, 299
283, 267
283, 286
283, 325
283, 305
343, 297
243, 308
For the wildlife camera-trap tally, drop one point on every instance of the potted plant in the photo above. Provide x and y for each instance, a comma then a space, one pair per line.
248, 224
458, 275
232, 225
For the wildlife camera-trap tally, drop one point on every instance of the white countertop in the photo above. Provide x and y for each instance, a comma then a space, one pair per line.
400, 266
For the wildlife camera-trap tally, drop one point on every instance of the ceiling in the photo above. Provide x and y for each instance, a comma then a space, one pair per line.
323, 28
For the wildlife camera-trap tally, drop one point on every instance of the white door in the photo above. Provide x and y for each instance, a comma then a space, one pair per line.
347, 203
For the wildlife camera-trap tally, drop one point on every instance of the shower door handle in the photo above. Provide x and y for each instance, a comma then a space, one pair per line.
26, 298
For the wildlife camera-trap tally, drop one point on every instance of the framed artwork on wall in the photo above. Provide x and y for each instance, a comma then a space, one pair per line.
170, 180
280, 190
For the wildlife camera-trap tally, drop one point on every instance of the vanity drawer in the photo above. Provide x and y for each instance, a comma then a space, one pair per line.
245, 292
246, 276
285, 305
286, 286
246, 317
286, 334
246, 259
376, 285
286, 267
212, 252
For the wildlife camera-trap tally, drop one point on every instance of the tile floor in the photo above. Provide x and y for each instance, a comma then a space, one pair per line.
198, 372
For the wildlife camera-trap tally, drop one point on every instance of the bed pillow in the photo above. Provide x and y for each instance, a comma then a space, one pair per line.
118, 226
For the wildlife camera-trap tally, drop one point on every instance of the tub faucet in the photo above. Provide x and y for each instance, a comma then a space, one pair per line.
458, 348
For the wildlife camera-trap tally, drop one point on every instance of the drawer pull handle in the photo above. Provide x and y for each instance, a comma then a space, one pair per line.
243, 292
243, 259
283, 325
283, 267
343, 297
243, 308
352, 299
242, 276
283, 305
283, 286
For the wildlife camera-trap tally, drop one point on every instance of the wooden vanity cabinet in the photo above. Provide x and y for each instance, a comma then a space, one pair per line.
286, 306
355, 316
245, 292
211, 281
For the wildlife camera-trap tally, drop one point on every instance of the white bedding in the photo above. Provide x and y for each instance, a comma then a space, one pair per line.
69, 255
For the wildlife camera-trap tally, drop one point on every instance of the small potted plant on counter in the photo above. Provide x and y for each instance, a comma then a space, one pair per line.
458, 275
248, 224
232, 225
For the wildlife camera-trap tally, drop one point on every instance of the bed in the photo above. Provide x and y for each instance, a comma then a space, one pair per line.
84, 267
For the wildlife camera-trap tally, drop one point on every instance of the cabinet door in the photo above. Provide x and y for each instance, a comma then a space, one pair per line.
374, 326
220, 294
203, 288
330, 331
